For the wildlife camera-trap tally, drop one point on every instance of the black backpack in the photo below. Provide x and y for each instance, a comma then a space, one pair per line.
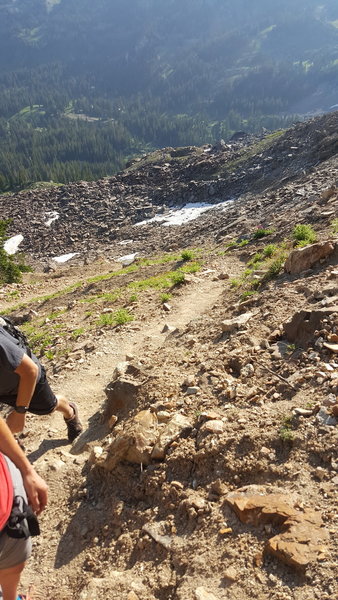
16, 333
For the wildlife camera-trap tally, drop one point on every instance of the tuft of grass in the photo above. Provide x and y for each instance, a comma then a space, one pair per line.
77, 332
334, 226
188, 255
123, 316
165, 297
285, 431
234, 283
304, 234
193, 267
177, 278
275, 268
260, 233
119, 317
255, 259
269, 250
133, 298
247, 295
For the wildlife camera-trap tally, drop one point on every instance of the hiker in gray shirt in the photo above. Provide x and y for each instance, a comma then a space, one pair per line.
23, 385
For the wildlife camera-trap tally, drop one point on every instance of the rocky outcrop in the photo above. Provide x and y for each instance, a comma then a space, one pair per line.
302, 326
302, 539
302, 259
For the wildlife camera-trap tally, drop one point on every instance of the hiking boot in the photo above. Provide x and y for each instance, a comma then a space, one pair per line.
74, 425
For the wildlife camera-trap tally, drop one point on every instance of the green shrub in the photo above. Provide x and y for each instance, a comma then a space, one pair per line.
106, 319
193, 267
9, 270
304, 233
188, 255
119, 317
122, 316
260, 233
10, 267
177, 278
269, 250
275, 268
165, 297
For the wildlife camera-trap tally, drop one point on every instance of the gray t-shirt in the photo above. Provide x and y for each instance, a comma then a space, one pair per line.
11, 355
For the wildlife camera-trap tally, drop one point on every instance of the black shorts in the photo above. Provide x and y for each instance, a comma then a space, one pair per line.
43, 400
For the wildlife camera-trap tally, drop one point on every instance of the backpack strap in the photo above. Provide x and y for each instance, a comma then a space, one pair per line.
22, 522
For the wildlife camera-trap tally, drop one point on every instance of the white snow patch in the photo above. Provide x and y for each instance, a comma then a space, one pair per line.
11, 246
52, 216
65, 257
127, 260
189, 212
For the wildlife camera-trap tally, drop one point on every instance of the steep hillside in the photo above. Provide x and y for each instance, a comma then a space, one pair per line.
204, 370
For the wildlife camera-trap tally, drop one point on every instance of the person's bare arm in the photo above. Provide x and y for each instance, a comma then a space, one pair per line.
35, 486
28, 372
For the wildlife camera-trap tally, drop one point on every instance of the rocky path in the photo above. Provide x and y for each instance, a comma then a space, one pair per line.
85, 384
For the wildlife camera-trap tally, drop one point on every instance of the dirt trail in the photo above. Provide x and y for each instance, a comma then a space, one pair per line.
138, 339
45, 442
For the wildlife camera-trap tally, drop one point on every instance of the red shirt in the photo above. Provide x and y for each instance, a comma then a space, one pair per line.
6, 492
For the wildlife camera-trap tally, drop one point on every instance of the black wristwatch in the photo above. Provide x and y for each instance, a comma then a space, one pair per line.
21, 409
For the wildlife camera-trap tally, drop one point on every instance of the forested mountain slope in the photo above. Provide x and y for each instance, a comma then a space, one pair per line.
83, 84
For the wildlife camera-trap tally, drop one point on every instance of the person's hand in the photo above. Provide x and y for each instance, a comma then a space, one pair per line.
37, 491
16, 421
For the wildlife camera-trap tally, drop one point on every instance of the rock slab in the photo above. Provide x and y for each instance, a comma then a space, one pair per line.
301, 539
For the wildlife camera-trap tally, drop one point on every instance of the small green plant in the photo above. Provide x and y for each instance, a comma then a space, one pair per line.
255, 259
334, 226
285, 431
291, 348
193, 267
247, 295
49, 354
133, 298
243, 243
106, 320
77, 332
165, 297
188, 255
269, 250
304, 234
260, 233
122, 316
177, 278
234, 283
275, 268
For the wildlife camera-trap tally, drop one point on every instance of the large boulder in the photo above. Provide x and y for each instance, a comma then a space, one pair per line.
302, 259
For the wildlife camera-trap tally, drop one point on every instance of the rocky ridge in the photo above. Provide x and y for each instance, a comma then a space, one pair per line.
94, 217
